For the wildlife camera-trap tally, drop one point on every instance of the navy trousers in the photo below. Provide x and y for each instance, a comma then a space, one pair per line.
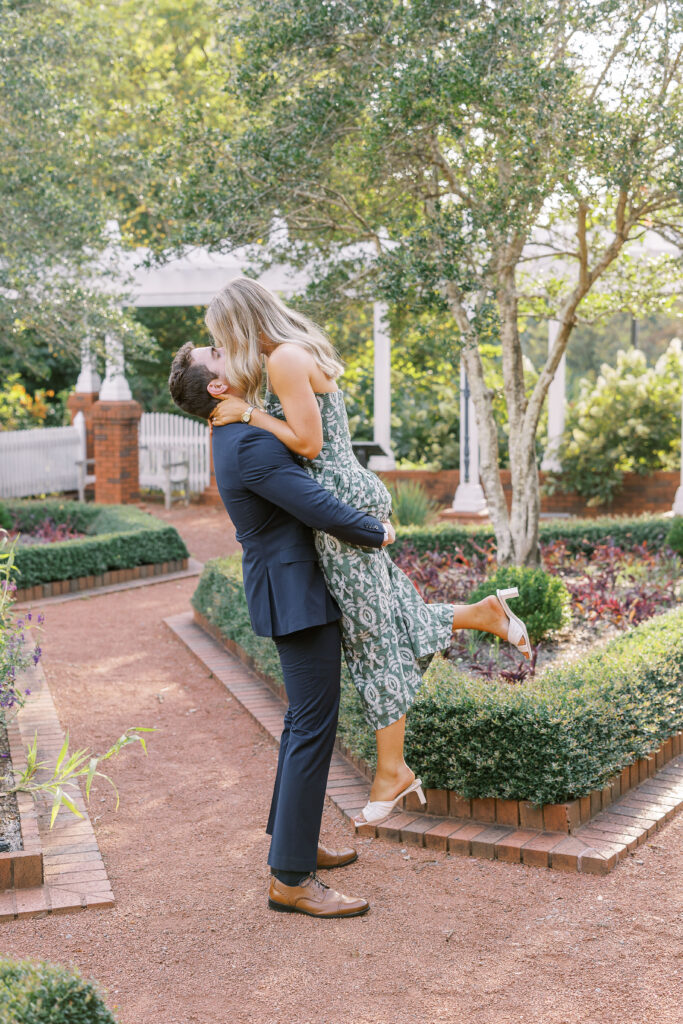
311, 666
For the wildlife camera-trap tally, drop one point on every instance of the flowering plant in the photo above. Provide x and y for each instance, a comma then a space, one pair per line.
16, 654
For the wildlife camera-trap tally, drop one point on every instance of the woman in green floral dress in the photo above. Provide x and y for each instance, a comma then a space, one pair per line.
389, 634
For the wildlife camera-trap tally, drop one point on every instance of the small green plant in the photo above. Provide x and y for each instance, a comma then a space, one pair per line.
674, 537
6, 522
43, 993
543, 602
411, 504
68, 769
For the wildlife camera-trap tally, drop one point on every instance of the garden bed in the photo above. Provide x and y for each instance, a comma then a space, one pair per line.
553, 739
107, 544
21, 867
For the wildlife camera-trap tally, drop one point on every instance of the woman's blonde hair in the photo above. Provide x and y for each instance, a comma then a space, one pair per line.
241, 313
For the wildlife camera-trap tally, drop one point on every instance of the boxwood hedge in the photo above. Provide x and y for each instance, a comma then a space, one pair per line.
119, 537
552, 739
44, 993
580, 535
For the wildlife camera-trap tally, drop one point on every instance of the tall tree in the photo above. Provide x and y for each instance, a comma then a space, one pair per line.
87, 92
481, 148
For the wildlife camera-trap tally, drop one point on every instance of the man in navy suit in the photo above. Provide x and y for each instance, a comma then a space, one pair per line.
273, 504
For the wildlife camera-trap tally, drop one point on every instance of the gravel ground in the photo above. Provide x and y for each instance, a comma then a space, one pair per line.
190, 939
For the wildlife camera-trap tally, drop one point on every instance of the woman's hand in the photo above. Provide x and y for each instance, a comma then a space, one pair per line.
228, 411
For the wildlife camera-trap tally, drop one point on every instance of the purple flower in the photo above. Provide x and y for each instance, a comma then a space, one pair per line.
27, 692
41, 619
36, 655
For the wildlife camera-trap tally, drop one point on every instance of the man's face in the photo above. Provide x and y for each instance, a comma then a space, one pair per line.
212, 357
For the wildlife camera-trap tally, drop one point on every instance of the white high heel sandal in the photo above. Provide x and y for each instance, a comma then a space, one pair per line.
517, 632
376, 811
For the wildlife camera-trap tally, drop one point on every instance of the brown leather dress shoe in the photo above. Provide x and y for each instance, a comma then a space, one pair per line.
314, 898
335, 858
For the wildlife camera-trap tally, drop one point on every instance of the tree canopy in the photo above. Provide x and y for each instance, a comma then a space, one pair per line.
500, 160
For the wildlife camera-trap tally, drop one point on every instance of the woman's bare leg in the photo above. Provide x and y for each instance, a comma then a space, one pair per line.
393, 774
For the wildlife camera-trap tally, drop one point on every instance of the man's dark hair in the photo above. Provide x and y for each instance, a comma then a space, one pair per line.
187, 383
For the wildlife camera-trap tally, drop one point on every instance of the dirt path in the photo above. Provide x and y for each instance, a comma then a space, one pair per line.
191, 939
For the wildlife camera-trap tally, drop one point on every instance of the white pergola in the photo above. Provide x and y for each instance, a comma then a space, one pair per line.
193, 278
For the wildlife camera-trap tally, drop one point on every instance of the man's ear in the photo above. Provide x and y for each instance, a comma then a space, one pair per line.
217, 388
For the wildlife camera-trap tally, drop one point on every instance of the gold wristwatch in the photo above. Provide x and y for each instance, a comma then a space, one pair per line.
246, 415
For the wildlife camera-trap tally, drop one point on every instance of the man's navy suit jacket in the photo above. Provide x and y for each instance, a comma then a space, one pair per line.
273, 503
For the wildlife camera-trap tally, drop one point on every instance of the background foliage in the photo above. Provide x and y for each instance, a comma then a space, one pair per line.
628, 421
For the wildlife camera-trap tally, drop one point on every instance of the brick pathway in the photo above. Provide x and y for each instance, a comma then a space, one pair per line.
594, 848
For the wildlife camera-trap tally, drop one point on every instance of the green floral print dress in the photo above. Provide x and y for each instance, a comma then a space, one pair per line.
389, 634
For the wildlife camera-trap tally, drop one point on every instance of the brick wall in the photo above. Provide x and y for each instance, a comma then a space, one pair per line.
653, 493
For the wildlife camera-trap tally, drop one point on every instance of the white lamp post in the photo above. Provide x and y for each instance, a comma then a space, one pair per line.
678, 500
469, 499
382, 389
556, 407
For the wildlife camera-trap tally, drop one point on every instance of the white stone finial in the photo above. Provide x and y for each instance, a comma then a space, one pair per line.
88, 382
115, 387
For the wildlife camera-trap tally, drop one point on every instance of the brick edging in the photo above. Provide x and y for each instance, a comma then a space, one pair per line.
595, 848
564, 817
106, 579
22, 869
273, 684
73, 875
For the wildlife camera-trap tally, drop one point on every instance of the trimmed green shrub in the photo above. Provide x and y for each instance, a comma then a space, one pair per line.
581, 536
553, 738
411, 504
6, 522
626, 421
543, 602
674, 537
119, 537
43, 993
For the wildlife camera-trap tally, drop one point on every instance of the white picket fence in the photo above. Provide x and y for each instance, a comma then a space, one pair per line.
43, 460
173, 451
173, 455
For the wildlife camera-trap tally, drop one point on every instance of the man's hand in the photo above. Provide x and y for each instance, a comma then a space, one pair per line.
391, 534
228, 411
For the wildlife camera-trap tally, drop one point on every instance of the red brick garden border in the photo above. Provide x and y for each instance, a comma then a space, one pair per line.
615, 827
55, 588
63, 868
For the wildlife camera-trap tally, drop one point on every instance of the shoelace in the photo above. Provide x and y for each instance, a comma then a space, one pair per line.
317, 881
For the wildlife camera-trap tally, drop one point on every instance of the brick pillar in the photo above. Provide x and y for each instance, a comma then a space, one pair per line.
210, 494
115, 428
83, 402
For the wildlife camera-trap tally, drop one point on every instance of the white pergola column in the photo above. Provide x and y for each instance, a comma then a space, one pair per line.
115, 386
469, 499
556, 407
678, 500
88, 379
382, 389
